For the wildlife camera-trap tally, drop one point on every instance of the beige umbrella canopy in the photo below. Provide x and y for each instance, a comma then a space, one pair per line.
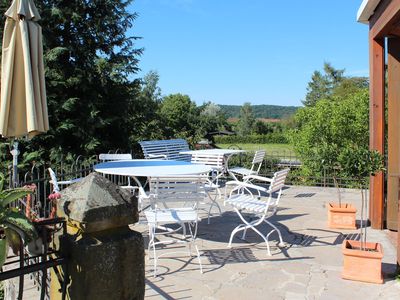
23, 105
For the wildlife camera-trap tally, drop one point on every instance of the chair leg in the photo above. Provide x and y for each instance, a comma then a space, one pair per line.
252, 225
151, 239
152, 246
244, 233
198, 258
192, 241
281, 242
213, 203
265, 239
234, 231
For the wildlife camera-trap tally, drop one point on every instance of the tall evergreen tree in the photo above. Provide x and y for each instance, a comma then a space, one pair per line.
321, 85
90, 62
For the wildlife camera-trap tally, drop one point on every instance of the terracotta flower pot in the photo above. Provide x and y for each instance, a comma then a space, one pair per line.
362, 265
342, 217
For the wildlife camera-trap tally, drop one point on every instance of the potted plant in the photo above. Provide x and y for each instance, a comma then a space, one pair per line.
13, 223
362, 259
340, 215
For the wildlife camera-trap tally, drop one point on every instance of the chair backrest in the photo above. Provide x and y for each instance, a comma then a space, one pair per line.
177, 189
258, 160
167, 149
216, 161
117, 156
278, 181
54, 181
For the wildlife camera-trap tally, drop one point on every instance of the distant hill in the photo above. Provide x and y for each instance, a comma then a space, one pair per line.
261, 111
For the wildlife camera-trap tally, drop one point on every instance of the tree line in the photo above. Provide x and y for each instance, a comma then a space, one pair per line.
264, 111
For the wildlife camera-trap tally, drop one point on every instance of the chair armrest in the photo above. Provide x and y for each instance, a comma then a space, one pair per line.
256, 177
152, 156
247, 185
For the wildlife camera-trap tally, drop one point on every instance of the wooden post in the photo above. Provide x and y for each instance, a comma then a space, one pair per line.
377, 126
398, 233
393, 131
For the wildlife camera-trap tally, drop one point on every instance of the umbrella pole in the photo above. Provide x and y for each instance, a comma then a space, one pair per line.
14, 153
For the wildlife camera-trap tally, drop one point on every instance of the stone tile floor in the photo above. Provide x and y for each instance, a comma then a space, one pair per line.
308, 268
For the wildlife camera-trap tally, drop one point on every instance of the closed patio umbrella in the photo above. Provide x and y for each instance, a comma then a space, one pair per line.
23, 105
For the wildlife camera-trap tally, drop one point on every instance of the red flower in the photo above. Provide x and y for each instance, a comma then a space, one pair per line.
54, 196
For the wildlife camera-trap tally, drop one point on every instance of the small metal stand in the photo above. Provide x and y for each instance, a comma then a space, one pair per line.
15, 152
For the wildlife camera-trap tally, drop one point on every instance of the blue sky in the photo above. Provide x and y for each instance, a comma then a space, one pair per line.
257, 51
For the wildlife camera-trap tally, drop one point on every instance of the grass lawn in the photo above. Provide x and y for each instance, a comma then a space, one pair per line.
281, 149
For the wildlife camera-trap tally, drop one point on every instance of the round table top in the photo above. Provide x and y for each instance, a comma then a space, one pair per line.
150, 168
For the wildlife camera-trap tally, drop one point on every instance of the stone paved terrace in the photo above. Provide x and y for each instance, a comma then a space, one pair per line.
308, 268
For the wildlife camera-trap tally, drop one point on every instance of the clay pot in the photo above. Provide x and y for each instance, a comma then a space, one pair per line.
341, 217
362, 265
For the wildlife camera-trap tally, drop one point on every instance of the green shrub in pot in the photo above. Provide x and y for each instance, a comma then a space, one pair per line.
13, 223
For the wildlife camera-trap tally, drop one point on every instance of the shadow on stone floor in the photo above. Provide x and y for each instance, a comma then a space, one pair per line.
218, 258
153, 287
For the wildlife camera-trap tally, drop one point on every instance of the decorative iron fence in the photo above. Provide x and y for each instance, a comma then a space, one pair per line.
275, 160
81, 166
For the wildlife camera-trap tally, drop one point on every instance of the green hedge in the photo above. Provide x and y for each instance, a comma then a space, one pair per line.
271, 138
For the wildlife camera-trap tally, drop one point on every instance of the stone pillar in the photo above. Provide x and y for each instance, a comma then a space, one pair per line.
105, 257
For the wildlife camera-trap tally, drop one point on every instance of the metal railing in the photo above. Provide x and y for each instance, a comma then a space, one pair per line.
40, 209
275, 160
81, 167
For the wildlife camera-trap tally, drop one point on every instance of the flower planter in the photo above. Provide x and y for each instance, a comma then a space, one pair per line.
341, 217
362, 265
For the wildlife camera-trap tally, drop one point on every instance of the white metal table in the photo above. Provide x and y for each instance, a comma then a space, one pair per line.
150, 168
227, 153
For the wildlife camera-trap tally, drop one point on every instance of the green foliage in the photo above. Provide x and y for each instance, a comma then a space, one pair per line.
261, 111
332, 84
3, 250
12, 219
280, 150
325, 130
273, 138
179, 117
350, 85
261, 127
360, 163
211, 119
144, 123
89, 63
246, 120
321, 85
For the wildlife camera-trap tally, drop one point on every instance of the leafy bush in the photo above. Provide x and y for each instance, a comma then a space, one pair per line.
327, 129
272, 138
13, 224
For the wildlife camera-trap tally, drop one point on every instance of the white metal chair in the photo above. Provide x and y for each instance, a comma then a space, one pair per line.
119, 156
255, 166
217, 163
243, 199
57, 183
114, 156
174, 200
